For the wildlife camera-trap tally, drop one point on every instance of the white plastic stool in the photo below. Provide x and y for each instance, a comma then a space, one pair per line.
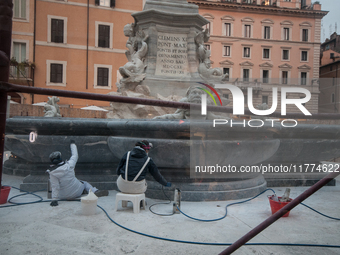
134, 198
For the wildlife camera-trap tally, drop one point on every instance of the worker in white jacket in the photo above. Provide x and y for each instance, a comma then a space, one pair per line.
64, 183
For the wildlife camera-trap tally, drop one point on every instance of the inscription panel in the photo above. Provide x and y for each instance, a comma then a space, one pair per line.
172, 55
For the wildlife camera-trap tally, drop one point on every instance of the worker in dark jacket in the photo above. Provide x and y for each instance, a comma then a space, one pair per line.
133, 167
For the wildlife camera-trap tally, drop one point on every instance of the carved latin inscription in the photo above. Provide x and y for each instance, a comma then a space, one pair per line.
172, 55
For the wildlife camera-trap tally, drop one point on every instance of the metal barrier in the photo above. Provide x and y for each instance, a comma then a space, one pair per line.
7, 87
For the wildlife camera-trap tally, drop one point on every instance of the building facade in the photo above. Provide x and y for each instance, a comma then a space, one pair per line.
264, 44
79, 45
333, 43
22, 53
329, 100
75, 45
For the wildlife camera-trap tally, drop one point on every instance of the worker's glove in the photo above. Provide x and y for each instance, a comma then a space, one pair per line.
72, 141
168, 184
54, 203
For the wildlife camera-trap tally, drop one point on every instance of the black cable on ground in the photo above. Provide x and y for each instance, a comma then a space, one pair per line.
226, 208
215, 244
165, 203
320, 212
182, 241
41, 200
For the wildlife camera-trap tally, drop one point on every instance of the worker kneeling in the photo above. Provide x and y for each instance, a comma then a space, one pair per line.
64, 183
133, 167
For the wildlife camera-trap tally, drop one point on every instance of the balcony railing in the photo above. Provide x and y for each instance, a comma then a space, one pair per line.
20, 72
245, 83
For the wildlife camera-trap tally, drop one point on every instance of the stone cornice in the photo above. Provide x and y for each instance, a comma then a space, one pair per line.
223, 38
275, 10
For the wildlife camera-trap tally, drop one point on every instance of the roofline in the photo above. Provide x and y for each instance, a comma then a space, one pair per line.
251, 7
335, 62
329, 40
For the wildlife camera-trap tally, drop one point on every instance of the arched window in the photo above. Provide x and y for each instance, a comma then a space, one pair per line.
227, 26
210, 18
247, 27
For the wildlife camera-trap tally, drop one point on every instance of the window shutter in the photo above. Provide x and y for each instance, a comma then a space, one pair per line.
112, 3
60, 32
96, 2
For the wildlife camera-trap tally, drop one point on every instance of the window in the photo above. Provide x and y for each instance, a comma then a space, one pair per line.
226, 71
247, 26
227, 29
265, 76
333, 98
104, 3
56, 73
286, 33
207, 26
226, 51
246, 52
264, 99
305, 35
304, 55
284, 77
19, 51
103, 35
266, 34
285, 54
102, 76
245, 74
57, 30
19, 9
303, 78
107, 3
266, 53
247, 29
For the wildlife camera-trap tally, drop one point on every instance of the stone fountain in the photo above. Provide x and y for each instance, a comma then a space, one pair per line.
166, 56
